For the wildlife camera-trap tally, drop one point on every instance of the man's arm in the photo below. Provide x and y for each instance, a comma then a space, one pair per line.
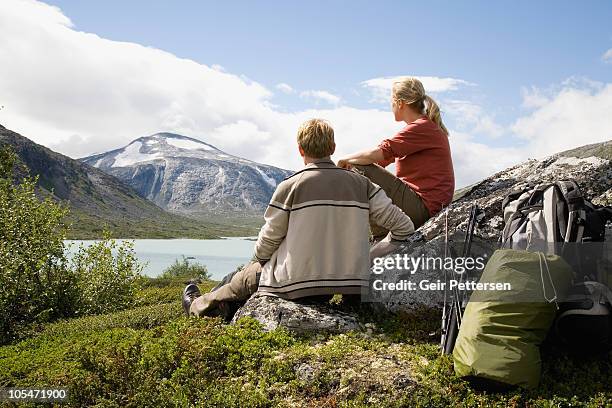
384, 213
274, 230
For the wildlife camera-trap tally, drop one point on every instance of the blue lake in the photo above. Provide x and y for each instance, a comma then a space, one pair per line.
220, 256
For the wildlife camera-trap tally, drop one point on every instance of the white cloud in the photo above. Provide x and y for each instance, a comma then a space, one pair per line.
286, 88
381, 87
323, 96
572, 117
272, 139
472, 117
238, 138
571, 114
474, 161
80, 94
607, 57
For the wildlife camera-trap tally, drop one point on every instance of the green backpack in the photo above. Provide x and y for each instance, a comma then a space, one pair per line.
501, 331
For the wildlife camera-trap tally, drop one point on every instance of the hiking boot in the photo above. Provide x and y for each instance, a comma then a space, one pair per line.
189, 294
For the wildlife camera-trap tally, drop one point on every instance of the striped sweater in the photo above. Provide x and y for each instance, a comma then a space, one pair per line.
315, 237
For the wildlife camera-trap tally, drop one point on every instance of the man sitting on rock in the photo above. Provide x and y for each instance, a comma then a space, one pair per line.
315, 238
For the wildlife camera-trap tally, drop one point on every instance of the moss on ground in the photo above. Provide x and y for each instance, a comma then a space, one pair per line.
153, 356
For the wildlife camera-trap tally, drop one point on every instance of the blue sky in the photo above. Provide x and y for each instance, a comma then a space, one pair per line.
530, 78
335, 45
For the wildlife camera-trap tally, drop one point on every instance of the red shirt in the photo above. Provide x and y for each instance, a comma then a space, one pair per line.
423, 161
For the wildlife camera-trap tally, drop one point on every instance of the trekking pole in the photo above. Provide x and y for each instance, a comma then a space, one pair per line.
444, 325
458, 298
452, 323
476, 215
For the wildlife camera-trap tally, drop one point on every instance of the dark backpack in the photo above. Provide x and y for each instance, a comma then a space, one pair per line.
556, 218
550, 215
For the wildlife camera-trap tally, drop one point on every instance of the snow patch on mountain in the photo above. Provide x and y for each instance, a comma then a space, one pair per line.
220, 177
132, 155
271, 182
187, 144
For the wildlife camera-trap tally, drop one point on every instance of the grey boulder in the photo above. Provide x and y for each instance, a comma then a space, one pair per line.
295, 316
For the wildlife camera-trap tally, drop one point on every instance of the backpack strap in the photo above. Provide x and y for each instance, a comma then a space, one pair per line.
572, 228
572, 195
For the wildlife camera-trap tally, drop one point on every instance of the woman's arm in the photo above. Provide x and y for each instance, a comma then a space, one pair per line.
365, 157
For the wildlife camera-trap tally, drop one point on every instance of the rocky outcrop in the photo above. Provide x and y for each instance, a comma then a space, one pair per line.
187, 176
297, 317
590, 166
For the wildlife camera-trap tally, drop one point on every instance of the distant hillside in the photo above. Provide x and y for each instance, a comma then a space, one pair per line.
602, 150
187, 176
98, 200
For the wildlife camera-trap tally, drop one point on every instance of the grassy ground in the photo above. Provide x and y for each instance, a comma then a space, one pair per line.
153, 356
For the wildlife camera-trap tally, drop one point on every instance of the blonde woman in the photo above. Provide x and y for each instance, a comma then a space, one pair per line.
424, 181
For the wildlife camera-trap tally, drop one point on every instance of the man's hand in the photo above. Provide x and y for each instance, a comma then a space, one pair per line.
344, 163
383, 248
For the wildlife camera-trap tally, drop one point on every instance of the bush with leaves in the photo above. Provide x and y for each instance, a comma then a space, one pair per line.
186, 270
108, 276
35, 285
37, 282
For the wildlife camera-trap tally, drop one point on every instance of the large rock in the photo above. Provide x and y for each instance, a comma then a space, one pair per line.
298, 317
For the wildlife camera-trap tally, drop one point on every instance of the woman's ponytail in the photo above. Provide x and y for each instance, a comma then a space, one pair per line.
432, 110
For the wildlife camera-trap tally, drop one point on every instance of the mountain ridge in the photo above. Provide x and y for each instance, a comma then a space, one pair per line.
98, 200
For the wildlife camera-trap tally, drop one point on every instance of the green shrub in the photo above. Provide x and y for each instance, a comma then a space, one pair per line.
186, 270
108, 276
153, 356
113, 360
143, 317
35, 285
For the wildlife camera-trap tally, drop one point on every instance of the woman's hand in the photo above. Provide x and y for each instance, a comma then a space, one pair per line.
344, 164
362, 158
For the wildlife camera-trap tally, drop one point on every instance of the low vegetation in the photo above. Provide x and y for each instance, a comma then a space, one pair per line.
151, 355
38, 284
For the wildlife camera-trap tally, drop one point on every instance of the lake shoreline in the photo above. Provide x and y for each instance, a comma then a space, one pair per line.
220, 256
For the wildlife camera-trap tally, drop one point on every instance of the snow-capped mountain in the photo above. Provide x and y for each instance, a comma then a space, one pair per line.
187, 176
